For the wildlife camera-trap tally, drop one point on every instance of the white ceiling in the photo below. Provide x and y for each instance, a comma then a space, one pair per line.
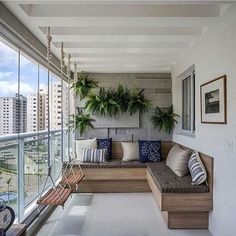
121, 36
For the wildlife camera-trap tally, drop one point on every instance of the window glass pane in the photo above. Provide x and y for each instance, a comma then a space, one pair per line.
186, 117
9, 123
29, 92
24, 108
55, 123
43, 118
193, 98
65, 119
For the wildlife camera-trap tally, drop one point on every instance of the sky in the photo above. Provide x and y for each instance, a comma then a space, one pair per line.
28, 73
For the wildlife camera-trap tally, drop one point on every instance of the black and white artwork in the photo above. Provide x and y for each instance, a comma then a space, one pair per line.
213, 101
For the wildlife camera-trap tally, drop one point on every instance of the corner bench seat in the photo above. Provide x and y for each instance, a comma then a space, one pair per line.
181, 204
165, 179
168, 182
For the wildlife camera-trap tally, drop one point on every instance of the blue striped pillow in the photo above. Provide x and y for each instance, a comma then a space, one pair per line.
197, 169
94, 155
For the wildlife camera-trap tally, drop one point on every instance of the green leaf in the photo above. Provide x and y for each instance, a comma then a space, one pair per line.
138, 102
81, 122
83, 85
164, 120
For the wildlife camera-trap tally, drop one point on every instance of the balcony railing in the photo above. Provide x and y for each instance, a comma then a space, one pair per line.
23, 165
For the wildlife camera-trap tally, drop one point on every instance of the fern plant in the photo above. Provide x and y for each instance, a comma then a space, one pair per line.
83, 85
122, 98
164, 120
103, 103
81, 122
138, 102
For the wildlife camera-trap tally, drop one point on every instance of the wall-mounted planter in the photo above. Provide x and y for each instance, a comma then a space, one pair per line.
120, 121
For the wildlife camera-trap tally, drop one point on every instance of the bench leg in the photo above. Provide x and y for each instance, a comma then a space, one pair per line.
186, 220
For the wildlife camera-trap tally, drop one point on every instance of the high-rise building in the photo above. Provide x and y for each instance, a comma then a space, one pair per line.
36, 110
13, 114
56, 105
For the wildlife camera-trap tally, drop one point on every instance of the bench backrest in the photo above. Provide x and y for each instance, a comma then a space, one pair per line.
117, 152
165, 148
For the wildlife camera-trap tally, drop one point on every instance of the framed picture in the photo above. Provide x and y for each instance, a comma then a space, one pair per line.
213, 101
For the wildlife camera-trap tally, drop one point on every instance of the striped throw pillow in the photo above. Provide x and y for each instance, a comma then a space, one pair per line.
197, 169
94, 155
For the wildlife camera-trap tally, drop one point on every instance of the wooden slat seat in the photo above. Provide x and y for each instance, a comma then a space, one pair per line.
55, 197
72, 179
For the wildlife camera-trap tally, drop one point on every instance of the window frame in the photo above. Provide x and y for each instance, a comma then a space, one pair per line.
189, 73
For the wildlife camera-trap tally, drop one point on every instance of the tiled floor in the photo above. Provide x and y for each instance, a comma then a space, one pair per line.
116, 214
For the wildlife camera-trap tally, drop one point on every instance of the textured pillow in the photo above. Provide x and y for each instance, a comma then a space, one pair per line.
130, 151
177, 160
197, 169
149, 151
94, 155
87, 143
105, 143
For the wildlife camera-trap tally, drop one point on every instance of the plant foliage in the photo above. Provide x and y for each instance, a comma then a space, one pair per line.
83, 85
81, 122
138, 102
164, 120
122, 98
103, 103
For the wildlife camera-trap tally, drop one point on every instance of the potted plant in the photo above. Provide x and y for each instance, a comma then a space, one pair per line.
83, 85
81, 122
138, 102
103, 103
164, 120
122, 98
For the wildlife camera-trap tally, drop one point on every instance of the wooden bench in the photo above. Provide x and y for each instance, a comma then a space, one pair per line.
186, 210
180, 210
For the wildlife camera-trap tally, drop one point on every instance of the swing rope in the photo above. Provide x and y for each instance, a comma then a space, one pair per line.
56, 195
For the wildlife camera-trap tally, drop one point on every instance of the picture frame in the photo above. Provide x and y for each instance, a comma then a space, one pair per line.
213, 95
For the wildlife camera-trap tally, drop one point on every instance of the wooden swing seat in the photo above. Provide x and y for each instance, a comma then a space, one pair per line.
55, 197
72, 179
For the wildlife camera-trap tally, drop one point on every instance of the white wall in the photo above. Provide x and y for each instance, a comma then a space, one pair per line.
214, 56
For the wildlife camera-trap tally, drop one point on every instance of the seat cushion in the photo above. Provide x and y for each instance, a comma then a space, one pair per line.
114, 163
168, 182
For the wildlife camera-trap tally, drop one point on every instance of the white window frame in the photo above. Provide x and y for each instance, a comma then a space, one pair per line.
190, 72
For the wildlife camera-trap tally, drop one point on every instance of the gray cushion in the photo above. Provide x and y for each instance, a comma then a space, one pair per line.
168, 182
115, 163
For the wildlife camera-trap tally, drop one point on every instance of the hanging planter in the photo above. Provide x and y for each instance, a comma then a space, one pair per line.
164, 120
138, 102
81, 122
122, 98
103, 103
83, 85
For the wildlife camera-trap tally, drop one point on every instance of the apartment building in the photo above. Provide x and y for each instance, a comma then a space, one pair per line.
36, 111
13, 114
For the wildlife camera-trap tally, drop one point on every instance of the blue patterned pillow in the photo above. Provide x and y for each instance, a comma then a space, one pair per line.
105, 143
149, 151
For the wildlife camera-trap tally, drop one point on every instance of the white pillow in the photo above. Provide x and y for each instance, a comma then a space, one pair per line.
130, 151
86, 143
177, 160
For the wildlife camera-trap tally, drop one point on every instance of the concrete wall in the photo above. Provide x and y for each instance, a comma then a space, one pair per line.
157, 90
214, 56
